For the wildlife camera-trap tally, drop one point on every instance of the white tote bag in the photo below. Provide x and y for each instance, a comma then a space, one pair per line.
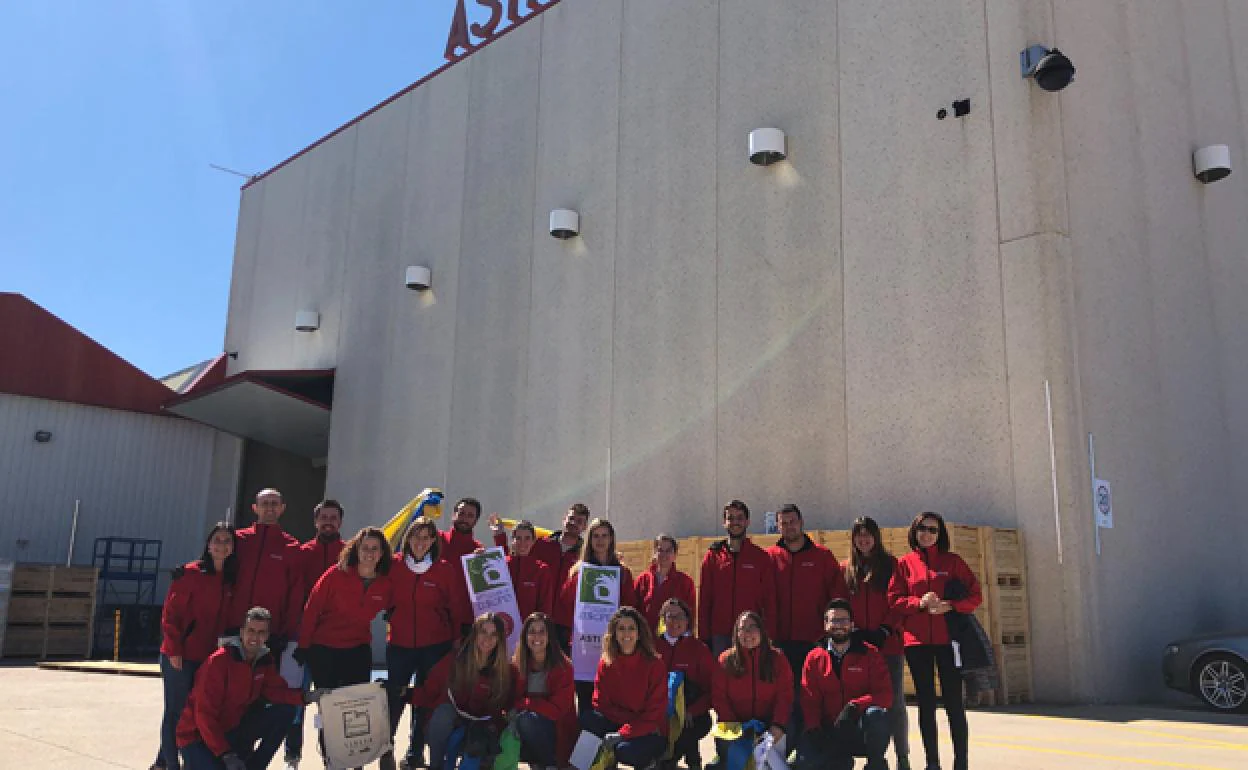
355, 721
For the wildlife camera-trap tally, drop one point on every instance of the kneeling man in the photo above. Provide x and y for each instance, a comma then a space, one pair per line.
239, 700
846, 694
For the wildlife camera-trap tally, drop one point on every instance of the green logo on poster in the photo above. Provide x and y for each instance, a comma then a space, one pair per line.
487, 572
599, 584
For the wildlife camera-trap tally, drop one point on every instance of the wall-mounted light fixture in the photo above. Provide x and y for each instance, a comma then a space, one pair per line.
43, 436
1212, 163
418, 278
307, 320
565, 224
1049, 67
767, 146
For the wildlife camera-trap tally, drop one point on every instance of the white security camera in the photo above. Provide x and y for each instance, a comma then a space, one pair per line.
565, 224
1212, 163
417, 278
767, 146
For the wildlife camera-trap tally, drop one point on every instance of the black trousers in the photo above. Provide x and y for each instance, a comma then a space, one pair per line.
925, 661
339, 666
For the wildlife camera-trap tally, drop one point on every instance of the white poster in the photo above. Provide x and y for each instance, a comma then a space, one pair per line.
597, 599
490, 589
1103, 499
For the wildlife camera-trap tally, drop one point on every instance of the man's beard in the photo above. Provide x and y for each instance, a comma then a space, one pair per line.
839, 637
463, 528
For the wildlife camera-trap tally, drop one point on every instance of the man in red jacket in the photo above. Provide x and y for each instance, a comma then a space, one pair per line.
458, 541
239, 700
270, 571
317, 555
807, 576
736, 576
846, 694
558, 551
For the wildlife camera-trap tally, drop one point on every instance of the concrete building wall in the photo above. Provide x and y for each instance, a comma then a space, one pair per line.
136, 475
896, 319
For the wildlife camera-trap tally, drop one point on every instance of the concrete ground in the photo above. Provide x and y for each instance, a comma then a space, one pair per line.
61, 719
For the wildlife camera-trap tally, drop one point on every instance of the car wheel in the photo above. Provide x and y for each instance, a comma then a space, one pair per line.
1221, 681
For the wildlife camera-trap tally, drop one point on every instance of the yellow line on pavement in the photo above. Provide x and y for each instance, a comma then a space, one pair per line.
1091, 755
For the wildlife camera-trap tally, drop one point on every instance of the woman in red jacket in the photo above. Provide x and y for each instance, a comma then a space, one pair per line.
335, 637
473, 686
868, 572
545, 704
532, 580
599, 549
662, 581
195, 614
630, 692
917, 591
682, 651
427, 595
753, 681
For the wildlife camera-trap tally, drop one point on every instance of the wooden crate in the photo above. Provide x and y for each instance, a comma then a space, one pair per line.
835, 540
27, 609
1014, 663
70, 609
1006, 551
32, 577
51, 611
23, 641
69, 640
74, 580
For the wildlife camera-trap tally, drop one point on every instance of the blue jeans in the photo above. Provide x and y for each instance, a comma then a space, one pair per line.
637, 752
402, 664
263, 724
177, 686
537, 738
827, 747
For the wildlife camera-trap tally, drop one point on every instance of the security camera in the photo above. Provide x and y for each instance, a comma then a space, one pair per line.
1049, 67
565, 224
417, 278
1212, 163
767, 146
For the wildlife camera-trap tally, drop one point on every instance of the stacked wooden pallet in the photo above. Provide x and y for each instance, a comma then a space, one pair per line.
994, 555
51, 612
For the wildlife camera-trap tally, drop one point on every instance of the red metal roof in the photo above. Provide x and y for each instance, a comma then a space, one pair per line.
41, 356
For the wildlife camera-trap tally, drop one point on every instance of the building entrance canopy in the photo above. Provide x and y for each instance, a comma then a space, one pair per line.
287, 409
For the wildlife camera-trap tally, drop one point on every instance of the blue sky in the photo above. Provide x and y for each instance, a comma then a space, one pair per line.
110, 216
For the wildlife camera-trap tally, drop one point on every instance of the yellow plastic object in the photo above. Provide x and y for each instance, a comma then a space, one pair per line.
511, 524
427, 503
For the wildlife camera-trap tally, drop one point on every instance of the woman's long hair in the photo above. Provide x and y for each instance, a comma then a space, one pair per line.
587, 550
419, 523
734, 664
466, 668
555, 656
350, 556
874, 570
229, 569
645, 637
942, 540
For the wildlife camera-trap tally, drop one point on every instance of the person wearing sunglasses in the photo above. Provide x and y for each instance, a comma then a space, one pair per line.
917, 591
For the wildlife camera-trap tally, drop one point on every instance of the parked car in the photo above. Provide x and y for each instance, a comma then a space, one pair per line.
1213, 667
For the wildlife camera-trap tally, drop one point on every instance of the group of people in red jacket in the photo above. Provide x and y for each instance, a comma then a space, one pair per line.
788, 641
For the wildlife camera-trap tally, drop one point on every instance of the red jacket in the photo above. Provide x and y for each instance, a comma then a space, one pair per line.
195, 613
733, 583
535, 589
426, 608
805, 582
270, 575
318, 555
651, 593
473, 700
558, 704
549, 551
341, 609
694, 658
565, 601
454, 545
873, 609
225, 687
746, 697
929, 570
863, 681
632, 693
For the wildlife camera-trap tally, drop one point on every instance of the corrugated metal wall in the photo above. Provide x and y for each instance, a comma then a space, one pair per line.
137, 475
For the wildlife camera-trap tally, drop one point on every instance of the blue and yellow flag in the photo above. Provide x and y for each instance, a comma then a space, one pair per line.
427, 503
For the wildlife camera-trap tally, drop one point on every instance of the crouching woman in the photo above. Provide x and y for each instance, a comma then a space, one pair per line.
630, 692
545, 709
